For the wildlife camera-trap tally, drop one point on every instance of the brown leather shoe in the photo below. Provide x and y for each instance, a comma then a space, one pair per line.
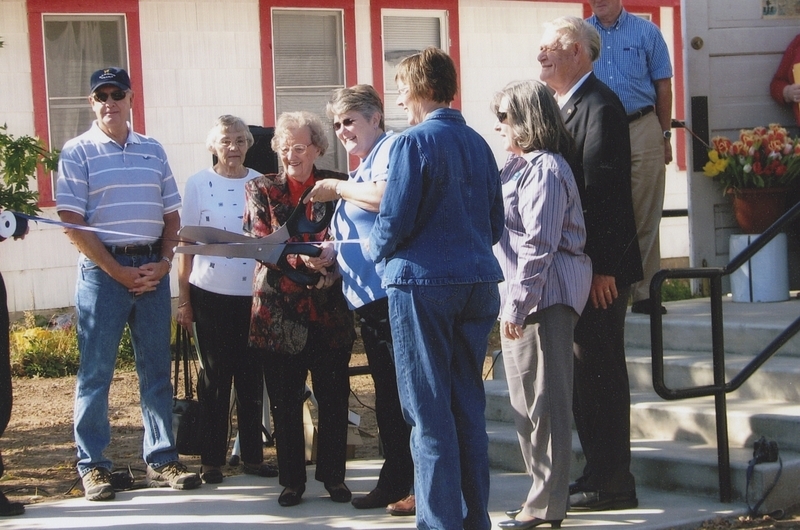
376, 498
407, 506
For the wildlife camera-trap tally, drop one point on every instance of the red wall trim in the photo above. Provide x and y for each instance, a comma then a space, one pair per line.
36, 8
267, 66
451, 6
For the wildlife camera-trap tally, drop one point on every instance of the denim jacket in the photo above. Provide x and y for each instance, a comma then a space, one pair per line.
443, 206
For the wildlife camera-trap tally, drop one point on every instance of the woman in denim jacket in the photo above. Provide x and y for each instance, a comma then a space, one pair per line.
441, 213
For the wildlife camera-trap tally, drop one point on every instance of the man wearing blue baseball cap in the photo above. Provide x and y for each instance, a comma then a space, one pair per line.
120, 184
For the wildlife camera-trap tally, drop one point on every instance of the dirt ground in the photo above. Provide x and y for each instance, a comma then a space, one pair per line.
39, 452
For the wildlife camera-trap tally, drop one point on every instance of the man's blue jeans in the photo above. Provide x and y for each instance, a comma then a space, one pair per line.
440, 335
104, 306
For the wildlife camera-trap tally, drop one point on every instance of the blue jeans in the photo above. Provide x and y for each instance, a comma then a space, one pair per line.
104, 306
440, 337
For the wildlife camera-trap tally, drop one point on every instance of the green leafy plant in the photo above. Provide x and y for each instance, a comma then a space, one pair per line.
19, 158
37, 351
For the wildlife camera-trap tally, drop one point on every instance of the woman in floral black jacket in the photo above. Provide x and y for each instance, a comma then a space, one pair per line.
301, 328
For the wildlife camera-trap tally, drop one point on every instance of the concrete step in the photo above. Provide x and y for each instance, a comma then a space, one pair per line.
776, 380
692, 420
748, 327
674, 466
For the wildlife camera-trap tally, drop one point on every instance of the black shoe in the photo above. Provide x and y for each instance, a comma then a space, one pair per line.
292, 498
645, 307
533, 523
596, 501
212, 476
262, 470
339, 492
514, 513
376, 498
8, 508
575, 487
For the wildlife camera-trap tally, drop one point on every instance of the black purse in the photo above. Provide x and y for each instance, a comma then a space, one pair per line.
186, 427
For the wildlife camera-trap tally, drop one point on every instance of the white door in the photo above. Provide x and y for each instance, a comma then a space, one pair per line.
731, 53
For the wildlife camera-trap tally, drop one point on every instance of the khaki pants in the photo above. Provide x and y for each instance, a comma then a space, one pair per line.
648, 178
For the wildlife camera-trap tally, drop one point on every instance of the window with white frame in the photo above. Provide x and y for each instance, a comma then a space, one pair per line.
75, 46
308, 47
406, 32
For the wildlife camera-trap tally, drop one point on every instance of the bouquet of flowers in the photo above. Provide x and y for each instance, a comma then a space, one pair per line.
763, 157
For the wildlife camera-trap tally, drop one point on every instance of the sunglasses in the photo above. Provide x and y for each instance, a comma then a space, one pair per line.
102, 97
297, 149
501, 116
347, 122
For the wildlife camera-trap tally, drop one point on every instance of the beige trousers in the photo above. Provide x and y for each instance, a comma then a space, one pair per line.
539, 375
648, 178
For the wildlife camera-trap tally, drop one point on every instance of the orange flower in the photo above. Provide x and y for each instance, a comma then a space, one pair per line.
762, 157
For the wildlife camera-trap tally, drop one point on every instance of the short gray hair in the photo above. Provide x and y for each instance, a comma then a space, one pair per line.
297, 120
228, 123
574, 29
363, 99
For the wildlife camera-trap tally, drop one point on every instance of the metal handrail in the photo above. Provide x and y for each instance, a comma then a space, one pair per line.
720, 388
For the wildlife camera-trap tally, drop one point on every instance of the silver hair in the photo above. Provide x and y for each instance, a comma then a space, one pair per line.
228, 123
574, 29
297, 120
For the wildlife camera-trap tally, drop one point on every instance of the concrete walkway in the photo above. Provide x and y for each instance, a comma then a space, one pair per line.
245, 501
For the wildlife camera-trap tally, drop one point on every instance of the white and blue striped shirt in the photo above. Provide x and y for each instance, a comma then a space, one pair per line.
633, 56
127, 188
541, 249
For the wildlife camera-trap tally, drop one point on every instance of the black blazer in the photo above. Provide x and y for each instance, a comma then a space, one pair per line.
602, 167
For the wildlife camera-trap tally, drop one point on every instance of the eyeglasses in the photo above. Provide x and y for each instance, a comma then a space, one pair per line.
347, 122
501, 116
241, 143
297, 149
102, 97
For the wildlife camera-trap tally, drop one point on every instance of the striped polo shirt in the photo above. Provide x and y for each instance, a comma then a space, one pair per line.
127, 188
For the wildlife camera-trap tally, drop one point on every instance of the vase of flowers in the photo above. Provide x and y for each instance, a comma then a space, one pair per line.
756, 171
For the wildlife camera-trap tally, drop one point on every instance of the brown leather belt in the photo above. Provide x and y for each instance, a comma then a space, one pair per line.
135, 250
639, 113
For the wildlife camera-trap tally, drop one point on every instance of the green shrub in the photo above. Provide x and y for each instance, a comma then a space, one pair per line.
40, 352
675, 289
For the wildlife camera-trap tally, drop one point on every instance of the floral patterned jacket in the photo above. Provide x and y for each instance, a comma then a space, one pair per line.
283, 309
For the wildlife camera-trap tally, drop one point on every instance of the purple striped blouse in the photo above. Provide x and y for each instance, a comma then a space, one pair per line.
541, 249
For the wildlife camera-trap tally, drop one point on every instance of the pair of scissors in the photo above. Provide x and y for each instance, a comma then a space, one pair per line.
273, 249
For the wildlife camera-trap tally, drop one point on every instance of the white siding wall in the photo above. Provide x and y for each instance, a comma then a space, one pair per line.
200, 60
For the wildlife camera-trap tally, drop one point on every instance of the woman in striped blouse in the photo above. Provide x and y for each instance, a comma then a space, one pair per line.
547, 278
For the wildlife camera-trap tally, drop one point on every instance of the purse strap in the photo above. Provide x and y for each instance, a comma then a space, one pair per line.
182, 352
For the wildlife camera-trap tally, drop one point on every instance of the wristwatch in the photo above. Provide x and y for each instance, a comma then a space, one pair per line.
667, 135
169, 263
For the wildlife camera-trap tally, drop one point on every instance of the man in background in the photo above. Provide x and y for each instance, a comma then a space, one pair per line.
635, 64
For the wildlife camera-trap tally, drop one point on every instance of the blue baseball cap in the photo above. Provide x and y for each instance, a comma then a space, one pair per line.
110, 76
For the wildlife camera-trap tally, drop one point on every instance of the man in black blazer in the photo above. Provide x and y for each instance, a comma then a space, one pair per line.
602, 163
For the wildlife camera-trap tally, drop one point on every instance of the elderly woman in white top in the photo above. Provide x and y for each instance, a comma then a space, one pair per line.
547, 285
216, 293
